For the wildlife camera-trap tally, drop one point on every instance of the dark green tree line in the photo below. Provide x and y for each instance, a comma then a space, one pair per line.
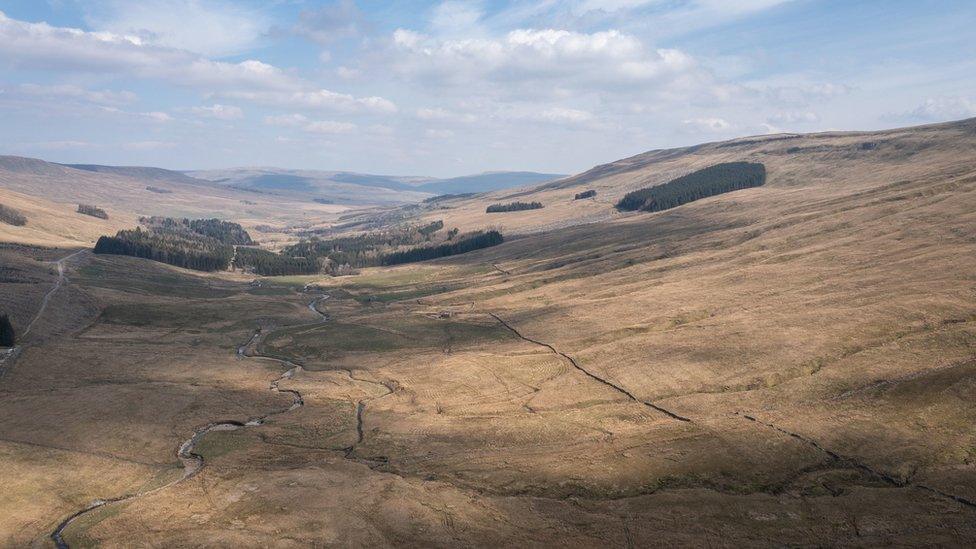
717, 179
466, 244
513, 207
267, 263
7, 336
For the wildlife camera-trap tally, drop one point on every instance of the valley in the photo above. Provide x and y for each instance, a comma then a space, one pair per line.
791, 362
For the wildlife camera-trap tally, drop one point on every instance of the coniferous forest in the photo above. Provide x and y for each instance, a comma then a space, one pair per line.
212, 244
466, 244
7, 337
199, 244
513, 207
585, 194
267, 263
717, 179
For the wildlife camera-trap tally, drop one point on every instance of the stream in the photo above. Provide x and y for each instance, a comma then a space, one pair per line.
193, 462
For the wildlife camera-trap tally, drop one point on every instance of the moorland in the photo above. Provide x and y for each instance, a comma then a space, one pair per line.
787, 360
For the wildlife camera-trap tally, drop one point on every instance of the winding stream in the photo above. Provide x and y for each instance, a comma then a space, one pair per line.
193, 462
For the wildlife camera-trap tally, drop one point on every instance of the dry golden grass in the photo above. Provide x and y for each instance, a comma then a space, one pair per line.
787, 365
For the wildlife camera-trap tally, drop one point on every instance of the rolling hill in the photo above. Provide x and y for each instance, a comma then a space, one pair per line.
786, 364
795, 164
344, 186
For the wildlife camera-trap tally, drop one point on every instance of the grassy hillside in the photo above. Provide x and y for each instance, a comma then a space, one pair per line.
43, 188
828, 164
791, 364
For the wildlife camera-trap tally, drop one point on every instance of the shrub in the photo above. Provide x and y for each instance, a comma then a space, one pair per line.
158, 190
513, 207
93, 211
11, 216
717, 179
432, 228
585, 194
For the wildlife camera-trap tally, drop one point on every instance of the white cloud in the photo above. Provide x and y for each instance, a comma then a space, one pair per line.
329, 126
155, 116
286, 120
563, 60
438, 133
148, 145
211, 28
318, 99
331, 22
296, 120
347, 73
220, 112
564, 115
792, 117
158, 116
944, 108
438, 113
39, 45
708, 124
455, 18
69, 91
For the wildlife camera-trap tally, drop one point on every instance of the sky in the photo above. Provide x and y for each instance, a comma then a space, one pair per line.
458, 87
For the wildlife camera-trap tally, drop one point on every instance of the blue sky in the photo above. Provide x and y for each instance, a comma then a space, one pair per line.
455, 87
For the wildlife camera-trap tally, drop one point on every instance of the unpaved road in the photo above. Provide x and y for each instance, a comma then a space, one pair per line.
12, 353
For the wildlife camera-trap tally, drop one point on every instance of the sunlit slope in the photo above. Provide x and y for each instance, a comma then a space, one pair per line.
57, 224
127, 193
828, 164
838, 302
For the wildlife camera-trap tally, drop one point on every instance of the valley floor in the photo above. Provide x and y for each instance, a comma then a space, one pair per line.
772, 367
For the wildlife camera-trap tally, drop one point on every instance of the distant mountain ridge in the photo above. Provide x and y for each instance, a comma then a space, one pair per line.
268, 179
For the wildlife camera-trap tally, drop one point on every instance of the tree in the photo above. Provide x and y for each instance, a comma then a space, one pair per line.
7, 336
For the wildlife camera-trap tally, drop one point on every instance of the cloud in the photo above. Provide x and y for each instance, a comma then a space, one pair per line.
707, 125
296, 120
792, 117
220, 112
329, 126
331, 22
211, 28
455, 18
286, 120
564, 115
148, 145
69, 91
944, 108
155, 116
571, 60
438, 133
318, 99
439, 113
39, 45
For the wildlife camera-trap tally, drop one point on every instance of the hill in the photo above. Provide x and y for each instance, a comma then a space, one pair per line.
128, 193
831, 163
346, 186
489, 181
790, 363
